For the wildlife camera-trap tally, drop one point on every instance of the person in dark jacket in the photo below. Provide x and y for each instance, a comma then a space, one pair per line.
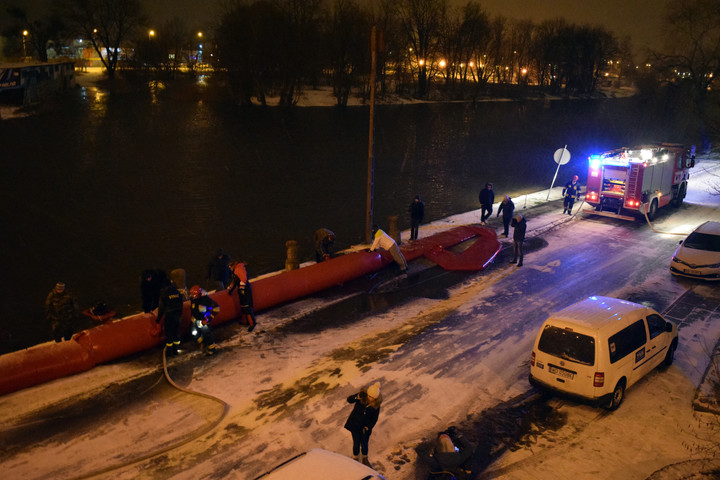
152, 282
363, 418
486, 198
240, 282
417, 213
324, 244
219, 270
519, 226
570, 193
61, 311
451, 454
170, 311
203, 309
507, 208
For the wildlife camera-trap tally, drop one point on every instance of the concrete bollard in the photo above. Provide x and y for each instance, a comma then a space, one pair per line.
393, 230
292, 261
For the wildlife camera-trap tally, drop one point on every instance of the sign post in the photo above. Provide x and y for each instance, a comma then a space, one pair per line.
561, 157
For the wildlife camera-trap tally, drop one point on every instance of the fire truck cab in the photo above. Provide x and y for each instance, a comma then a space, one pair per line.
629, 182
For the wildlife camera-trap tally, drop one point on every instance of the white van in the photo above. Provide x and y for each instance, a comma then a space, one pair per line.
598, 347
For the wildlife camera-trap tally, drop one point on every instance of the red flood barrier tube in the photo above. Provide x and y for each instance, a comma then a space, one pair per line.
121, 337
294, 284
42, 363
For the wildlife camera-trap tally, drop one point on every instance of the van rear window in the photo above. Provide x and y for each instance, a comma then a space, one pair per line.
568, 345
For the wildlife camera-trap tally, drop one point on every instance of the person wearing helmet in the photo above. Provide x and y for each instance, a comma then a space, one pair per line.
570, 193
203, 309
240, 282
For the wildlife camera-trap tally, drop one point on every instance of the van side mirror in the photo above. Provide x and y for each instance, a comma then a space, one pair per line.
668, 327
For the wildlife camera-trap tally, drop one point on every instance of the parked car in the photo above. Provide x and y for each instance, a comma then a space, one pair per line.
318, 464
698, 256
595, 349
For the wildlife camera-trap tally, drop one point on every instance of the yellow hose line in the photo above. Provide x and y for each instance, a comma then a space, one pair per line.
186, 440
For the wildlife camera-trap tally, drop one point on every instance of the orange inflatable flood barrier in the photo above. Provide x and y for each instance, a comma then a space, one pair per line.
136, 333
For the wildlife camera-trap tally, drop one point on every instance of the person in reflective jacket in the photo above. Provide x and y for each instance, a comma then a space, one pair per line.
170, 310
203, 309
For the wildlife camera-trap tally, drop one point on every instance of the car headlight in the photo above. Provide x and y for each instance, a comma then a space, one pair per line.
675, 260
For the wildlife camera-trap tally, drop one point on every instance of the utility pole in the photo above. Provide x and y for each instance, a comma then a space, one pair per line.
371, 142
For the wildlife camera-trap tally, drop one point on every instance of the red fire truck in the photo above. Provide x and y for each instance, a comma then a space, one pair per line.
628, 182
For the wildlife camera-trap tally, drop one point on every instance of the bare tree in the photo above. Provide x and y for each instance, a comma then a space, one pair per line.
105, 23
42, 32
693, 48
348, 45
421, 22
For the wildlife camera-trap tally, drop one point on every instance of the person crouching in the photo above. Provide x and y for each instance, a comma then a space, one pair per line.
203, 309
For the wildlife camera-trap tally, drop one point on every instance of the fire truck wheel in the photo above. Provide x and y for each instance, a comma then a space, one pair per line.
653, 210
678, 200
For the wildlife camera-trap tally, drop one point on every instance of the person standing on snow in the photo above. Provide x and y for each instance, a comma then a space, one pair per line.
170, 310
417, 212
570, 193
242, 284
507, 208
486, 198
363, 418
61, 312
519, 226
203, 309
385, 241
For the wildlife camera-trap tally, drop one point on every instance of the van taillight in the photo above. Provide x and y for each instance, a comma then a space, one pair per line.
599, 379
532, 359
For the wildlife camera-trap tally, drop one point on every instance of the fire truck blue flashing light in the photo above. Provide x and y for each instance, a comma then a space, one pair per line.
595, 161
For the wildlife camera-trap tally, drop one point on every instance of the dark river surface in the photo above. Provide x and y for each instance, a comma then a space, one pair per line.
106, 183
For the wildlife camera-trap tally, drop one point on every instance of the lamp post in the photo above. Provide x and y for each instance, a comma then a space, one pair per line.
24, 36
200, 48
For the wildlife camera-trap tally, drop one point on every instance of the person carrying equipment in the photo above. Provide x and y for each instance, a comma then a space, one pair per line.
203, 309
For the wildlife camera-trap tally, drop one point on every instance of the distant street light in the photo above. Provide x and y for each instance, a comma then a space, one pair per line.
151, 33
25, 34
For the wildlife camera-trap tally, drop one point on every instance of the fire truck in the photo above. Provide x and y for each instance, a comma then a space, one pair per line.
631, 182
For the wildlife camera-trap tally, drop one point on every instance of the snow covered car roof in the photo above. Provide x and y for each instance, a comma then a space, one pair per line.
318, 464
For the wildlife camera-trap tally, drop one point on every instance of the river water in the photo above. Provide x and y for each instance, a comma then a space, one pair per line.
105, 183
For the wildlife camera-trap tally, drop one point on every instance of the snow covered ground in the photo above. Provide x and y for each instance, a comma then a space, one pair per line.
455, 357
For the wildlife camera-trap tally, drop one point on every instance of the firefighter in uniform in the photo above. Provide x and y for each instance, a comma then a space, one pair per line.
570, 193
203, 309
240, 282
170, 310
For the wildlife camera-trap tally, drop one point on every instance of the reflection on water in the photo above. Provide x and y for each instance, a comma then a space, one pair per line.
110, 184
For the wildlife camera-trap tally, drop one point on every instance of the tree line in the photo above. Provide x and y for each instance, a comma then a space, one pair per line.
263, 48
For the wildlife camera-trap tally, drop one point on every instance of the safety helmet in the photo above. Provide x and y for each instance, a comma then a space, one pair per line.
576, 177
196, 291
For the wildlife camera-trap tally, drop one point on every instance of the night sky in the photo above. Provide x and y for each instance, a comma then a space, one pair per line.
641, 19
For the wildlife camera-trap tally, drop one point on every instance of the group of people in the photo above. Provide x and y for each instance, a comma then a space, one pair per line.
570, 193
510, 219
203, 309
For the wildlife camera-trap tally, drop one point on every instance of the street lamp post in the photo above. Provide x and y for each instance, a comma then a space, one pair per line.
24, 36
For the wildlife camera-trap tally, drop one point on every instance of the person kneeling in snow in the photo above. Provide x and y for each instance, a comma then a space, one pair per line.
451, 455
203, 309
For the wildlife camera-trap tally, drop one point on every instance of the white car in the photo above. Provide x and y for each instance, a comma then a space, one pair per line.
321, 464
698, 256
